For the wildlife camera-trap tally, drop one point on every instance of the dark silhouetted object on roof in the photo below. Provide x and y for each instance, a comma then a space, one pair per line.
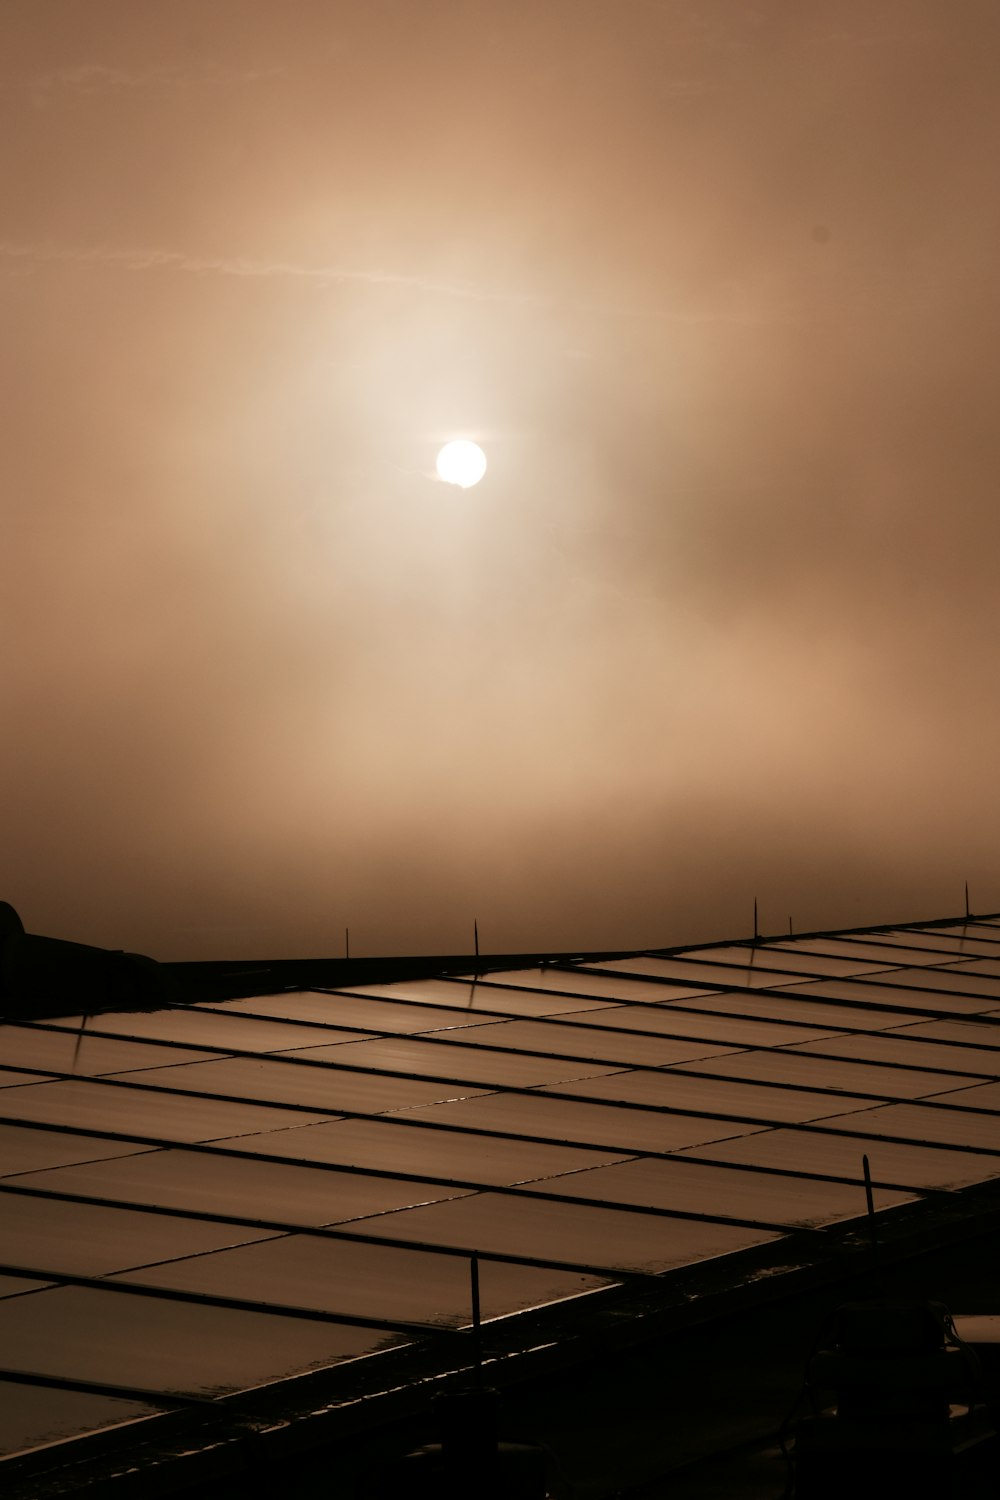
37, 972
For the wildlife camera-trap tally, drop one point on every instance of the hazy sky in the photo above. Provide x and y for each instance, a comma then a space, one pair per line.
714, 284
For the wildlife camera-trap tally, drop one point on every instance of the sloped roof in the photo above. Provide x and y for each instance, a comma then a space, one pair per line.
200, 1199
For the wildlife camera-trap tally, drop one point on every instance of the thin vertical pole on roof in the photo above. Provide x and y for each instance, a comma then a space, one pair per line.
871, 1206
477, 1326
79, 1039
790, 933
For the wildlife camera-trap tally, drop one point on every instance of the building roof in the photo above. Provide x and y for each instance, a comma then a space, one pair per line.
204, 1199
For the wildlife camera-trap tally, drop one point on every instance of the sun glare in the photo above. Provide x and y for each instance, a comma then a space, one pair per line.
462, 463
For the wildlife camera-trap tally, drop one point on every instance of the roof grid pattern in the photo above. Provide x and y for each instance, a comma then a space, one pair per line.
203, 1198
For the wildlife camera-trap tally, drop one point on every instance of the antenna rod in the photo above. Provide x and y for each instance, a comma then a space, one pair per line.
477, 1328
871, 1206
79, 1039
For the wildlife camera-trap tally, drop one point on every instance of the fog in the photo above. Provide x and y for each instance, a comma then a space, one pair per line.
713, 286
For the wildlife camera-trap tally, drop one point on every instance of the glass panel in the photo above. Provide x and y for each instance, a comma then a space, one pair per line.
732, 974
417, 1054
983, 1034
977, 927
126, 1339
360, 1009
923, 1122
85, 1239
730, 1030
588, 1041
875, 951
795, 1007
437, 1153
16, 1286
675, 1090
934, 947
239, 1032
70, 1051
690, 1187
228, 1185
368, 1280
594, 1124
788, 958
181, 1117
501, 992
461, 992
10, 1079
980, 1096
575, 982
25, 1150
962, 968
827, 1073
801, 1151
326, 1090
965, 979
870, 994
894, 1046
600, 1237
32, 1415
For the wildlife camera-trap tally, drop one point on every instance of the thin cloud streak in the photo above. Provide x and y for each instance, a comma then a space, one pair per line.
140, 259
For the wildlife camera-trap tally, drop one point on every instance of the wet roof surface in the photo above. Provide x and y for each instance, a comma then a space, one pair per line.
204, 1198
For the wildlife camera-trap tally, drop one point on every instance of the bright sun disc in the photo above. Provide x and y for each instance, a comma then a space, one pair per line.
462, 463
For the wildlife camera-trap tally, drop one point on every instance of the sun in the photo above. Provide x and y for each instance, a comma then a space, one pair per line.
462, 463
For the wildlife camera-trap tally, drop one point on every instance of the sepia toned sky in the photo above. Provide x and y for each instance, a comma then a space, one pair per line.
714, 285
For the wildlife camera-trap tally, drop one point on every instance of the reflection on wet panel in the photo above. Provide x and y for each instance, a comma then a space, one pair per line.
967, 979
912, 997
31, 1415
10, 1078
920, 1053
418, 1054
25, 1150
874, 952
501, 993
580, 1235
89, 1105
731, 1030
788, 960
358, 1008
673, 1089
802, 1151
923, 1122
728, 973
558, 984
123, 1339
315, 1087
88, 1239
84, 1052
232, 1032
378, 1281
843, 1074
798, 1005
690, 1187
217, 1184
569, 1122
600, 1043
422, 1149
